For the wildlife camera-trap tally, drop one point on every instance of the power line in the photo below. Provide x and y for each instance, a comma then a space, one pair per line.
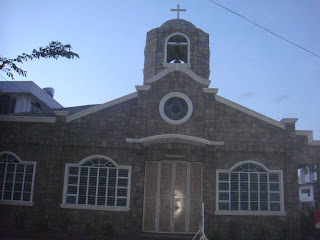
267, 30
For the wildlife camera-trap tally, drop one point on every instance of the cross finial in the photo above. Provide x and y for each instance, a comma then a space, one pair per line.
178, 10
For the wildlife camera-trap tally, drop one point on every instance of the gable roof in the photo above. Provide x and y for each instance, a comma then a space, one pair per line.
74, 113
101, 107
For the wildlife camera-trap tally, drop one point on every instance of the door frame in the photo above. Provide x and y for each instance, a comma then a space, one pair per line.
156, 230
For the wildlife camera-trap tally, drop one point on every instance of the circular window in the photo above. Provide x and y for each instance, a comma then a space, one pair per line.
175, 108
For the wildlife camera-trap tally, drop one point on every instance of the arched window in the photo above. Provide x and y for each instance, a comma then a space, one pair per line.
177, 49
7, 104
16, 180
249, 188
97, 182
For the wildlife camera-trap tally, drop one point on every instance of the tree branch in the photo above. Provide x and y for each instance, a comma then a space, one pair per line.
54, 50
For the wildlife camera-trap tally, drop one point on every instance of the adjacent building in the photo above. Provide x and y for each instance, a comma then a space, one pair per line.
25, 96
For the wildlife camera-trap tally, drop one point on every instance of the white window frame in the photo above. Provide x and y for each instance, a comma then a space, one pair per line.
248, 212
20, 202
165, 63
95, 207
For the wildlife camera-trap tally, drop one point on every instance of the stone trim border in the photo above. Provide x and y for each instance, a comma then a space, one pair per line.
249, 111
101, 107
181, 68
174, 138
309, 135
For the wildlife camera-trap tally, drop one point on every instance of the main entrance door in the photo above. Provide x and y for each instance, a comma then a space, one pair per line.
173, 191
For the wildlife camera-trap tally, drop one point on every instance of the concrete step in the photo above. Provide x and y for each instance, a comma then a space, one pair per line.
157, 236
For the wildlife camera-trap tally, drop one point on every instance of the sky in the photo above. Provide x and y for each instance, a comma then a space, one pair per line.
249, 66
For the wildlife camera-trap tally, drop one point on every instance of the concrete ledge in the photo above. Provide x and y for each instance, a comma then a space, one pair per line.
143, 87
289, 120
18, 203
253, 213
173, 138
210, 90
61, 113
27, 119
90, 207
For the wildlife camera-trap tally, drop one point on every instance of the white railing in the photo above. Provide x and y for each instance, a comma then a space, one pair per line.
200, 233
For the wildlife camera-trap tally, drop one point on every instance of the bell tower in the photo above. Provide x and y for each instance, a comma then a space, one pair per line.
177, 42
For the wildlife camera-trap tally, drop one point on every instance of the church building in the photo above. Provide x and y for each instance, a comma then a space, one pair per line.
145, 161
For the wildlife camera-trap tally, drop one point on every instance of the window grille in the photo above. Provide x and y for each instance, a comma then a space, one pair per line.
97, 182
16, 179
249, 186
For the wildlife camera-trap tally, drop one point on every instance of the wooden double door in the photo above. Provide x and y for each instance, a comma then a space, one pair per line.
173, 191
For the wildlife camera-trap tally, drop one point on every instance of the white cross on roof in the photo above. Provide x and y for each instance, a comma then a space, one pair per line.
178, 10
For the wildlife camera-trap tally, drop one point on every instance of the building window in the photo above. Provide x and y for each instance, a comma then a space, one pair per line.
97, 182
175, 108
177, 49
35, 107
249, 188
7, 104
16, 180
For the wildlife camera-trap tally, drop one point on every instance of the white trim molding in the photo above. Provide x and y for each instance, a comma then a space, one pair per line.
176, 95
181, 68
174, 138
101, 107
61, 113
210, 90
309, 135
27, 119
249, 111
143, 87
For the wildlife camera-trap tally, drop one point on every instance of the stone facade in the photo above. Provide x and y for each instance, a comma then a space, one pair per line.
245, 136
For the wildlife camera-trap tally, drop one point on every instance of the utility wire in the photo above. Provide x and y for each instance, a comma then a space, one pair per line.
264, 28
